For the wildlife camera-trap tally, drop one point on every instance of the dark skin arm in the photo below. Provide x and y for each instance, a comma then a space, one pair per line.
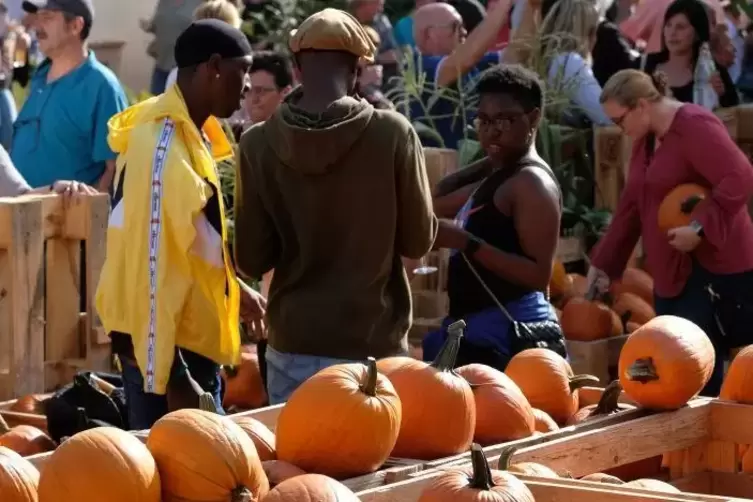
453, 191
533, 200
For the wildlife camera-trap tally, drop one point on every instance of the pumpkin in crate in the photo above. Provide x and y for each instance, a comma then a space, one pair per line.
502, 411
632, 307
324, 426
607, 405
204, 456
244, 387
547, 380
543, 422
738, 384
652, 484
19, 479
600, 477
33, 404
27, 440
479, 484
103, 463
263, 438
676, 210
746, 459
586, 320
523, 468
560, 283
311, 487
430, 391
665, 363
635, 281
278, 471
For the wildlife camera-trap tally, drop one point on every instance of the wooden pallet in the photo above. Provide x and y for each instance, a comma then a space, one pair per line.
598, 358
45, 335
13, 418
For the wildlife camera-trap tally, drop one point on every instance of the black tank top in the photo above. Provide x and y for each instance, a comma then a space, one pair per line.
467, 295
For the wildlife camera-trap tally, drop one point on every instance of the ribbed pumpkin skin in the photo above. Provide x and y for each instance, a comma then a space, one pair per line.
103, 463
311, 488
27, 440
636, 281
738, 384
585, 321
543, 422
453, 486
263, 438
18, 478
204, 456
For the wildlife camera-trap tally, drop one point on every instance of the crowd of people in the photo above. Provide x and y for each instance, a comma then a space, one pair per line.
332, 201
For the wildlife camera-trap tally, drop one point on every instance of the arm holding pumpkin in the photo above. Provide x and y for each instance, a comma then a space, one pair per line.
715, 156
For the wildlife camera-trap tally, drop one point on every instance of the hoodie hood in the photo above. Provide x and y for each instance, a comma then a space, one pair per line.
314, 143
168, 105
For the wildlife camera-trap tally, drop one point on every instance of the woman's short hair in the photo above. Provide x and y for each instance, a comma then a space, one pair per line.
569, 26
224, 10
516, 81
627, 87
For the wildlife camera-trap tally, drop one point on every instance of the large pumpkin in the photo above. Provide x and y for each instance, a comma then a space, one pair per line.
636, 281
676, 210
278, 471
547, 380
479, 484
607, 405
738, 384
18, 478
502, 411
27, 440
560, 284
666, 362
244, 387
335, 411
205, 456
631, 307
103, 463
263, 438
311, 487
586, 320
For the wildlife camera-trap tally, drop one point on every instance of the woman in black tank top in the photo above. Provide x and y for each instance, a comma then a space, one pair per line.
507, 214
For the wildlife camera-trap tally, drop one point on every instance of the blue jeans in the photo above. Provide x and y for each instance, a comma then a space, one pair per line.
145, 408
8, 115
159, 80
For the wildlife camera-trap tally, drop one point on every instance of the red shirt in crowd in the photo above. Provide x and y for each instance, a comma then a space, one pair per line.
696, 149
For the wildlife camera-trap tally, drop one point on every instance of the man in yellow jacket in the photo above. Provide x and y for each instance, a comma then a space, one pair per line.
168, 294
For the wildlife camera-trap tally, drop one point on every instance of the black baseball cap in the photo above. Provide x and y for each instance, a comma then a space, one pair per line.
206, 37
81, 8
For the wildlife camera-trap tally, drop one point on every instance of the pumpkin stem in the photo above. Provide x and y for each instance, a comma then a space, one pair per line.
482, 473
3, 426
642, 370
206, 403
578, 381
241, 494
504, 457
368, 387
690, 203
609, 402
445, 360
231, 371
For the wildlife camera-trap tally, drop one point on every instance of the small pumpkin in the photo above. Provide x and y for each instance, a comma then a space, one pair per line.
278, 471
600, 477
676, 210
263, 438
547, 380
652, 484
335, 410
636, 281
633, 308
560, 284
665, 362
33, 404
631, 326
244, 387
19, 479
104, 462
738, 384
543, 422
584, 320
311, 487
27, 440
502, 411
607, 405
523, 468
212, 445
479, 484
430, 391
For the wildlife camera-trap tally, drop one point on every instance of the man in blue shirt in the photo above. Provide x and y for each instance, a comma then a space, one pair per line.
61, 131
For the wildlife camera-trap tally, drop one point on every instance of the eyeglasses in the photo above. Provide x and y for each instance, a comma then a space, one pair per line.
500, 122
618, 121
257, 90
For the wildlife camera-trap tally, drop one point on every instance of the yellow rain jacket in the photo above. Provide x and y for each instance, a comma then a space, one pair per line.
167, 279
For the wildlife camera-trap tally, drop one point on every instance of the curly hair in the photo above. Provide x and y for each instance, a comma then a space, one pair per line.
514, 80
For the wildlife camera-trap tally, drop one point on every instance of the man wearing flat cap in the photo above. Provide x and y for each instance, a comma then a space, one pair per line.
168, 294
61, 130
331, 194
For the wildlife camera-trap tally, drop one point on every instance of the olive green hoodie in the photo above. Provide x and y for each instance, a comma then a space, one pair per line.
332, 202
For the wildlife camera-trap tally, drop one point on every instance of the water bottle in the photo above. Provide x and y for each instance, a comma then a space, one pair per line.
703, 93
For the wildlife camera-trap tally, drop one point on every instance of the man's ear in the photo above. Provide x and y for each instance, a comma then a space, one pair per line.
213, 65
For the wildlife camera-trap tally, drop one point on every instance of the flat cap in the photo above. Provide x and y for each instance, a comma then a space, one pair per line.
333, 30
206, 37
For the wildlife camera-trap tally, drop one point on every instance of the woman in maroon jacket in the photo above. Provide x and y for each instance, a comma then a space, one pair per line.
716, 249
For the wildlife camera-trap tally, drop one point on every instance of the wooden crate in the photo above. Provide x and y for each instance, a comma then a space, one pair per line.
598, 358
439, 163
13, 418
45, 335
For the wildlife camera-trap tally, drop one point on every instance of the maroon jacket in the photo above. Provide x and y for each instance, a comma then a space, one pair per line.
696, 149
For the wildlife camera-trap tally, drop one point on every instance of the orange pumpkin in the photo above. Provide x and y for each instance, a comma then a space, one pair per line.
106, 463
631, 326
636, 281
547, 380
311, 487
676, 210
618, 327
523, 468
27, 440
278, 471
633, 308
18, 478
560, 284
31, 403
502, 411
263, 438
665, 362
428, 391
585, 320
600, 477
189, 441
244, 387
478, 484
543, 422
334, 411
738, 384
652, 484
607, 405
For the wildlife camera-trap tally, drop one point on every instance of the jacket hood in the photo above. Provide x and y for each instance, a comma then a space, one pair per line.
167, 105
313, 143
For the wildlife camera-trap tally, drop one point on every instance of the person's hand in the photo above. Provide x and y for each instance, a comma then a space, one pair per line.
684, 239
253, 310
72, 190
450, 236
716, 83
597, 281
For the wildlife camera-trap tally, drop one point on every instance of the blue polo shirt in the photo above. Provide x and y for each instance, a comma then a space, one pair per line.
61, 130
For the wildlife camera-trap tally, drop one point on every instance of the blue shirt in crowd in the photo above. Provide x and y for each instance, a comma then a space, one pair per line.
61, 130
404, 32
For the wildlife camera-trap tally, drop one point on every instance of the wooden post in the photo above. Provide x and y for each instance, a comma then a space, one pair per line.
612, 158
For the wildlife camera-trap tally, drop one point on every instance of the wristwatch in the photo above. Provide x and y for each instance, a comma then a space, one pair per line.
697, 228
472, 246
